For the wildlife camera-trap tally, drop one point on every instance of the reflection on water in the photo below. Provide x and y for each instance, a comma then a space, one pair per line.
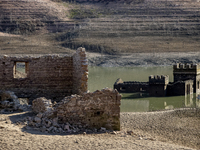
135, 105
192, 100
130, 102
155, 103
168, 106
197, 101
189, 100
136, 102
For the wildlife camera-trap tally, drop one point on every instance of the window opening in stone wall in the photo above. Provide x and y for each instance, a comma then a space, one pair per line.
20, 70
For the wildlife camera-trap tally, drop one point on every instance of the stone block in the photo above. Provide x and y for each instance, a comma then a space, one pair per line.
41, 105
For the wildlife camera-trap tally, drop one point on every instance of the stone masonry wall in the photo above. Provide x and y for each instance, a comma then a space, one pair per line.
131, 86
184, 72
80, 74
49, 76
95, 110
180, 88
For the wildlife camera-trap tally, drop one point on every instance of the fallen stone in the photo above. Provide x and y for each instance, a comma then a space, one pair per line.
48, 124
114, 132
28, 128
103, 129
39, 115
10, 100
66, 127
51, 128
43, 129
37, 120
60, 130
41, 105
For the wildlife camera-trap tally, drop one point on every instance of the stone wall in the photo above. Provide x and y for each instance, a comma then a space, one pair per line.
131, 86
184, 72
97, 109
86, 111
158, 79
186, 79
80, 74
158, 85
159, 90
50, 76
180, 88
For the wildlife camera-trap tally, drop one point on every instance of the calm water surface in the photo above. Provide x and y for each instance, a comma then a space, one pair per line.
101, 77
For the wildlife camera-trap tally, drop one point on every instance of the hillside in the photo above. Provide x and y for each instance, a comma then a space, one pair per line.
29, 26
110, 27
143, 26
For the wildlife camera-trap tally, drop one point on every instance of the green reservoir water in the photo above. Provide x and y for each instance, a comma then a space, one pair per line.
101, 77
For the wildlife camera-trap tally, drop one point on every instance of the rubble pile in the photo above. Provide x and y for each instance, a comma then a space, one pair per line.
10, 102
45, 124
88, 112
41, 105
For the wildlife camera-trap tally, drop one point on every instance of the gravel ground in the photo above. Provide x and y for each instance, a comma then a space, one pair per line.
175, 129
175, 126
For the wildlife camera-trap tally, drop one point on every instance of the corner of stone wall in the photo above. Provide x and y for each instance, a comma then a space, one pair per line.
94, 110
80, 73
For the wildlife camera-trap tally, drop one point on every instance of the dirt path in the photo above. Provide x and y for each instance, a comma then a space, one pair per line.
142, 131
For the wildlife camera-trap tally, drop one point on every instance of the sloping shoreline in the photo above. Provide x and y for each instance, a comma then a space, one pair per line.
142, 59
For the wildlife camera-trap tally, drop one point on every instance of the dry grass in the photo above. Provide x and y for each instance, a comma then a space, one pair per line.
169, 26
143, 44
34, 44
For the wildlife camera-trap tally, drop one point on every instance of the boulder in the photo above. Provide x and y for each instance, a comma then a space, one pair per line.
41, 105
11, 101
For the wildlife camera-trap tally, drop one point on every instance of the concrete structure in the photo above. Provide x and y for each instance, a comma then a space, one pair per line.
50, 76
186, 81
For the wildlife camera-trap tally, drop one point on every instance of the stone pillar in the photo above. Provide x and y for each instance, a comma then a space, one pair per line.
80, 73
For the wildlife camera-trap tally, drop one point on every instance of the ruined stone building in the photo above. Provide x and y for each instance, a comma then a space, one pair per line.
60, 78
186, 81
50, 76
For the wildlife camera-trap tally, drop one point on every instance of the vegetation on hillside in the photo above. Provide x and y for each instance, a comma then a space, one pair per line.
114, 27
143, 26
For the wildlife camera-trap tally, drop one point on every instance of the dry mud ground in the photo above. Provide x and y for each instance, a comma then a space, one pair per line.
174, 129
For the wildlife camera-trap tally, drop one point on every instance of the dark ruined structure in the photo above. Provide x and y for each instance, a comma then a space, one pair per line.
183, 72
186, 81
158, 85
